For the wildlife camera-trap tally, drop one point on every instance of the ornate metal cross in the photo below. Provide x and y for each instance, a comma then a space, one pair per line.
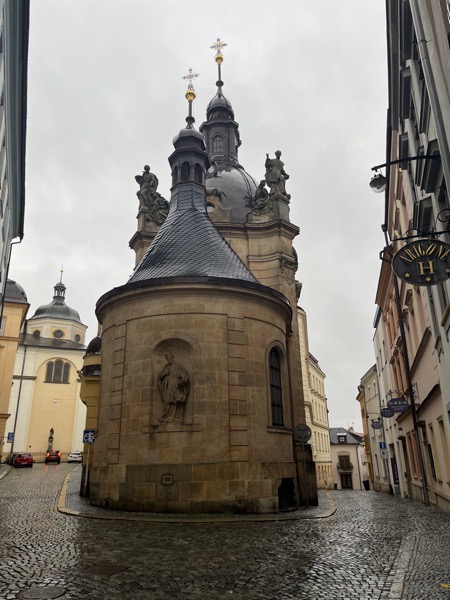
218, 45
190, 77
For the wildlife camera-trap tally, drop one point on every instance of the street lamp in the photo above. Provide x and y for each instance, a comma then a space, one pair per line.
378, 183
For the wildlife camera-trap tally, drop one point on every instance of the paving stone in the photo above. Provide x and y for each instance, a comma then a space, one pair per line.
375, 547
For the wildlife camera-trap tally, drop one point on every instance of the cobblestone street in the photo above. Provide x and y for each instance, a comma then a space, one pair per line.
374, 546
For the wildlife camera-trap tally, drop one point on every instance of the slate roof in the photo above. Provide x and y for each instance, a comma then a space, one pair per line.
15, 293
352, 438
189, 245
43, 342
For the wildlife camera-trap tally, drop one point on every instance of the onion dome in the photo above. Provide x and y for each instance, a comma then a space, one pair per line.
222, 140
57, 309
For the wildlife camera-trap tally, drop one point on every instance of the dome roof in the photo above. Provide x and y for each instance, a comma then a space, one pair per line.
15, 293
57, 309
219, 101
95, 345
237, 188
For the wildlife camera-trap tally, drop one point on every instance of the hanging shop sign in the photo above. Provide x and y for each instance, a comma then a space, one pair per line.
376, 424
398, 404
387, 412
423, 262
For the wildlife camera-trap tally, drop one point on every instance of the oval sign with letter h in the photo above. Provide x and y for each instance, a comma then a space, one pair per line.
423, 262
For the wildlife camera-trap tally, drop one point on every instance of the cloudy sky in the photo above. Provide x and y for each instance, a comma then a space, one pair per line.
106, 96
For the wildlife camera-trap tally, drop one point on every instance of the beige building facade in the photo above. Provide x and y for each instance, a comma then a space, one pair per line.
348, 459
316, 408
412, 321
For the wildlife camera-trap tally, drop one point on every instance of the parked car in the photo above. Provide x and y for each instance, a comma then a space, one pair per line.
22, 460
75, 457
52, 456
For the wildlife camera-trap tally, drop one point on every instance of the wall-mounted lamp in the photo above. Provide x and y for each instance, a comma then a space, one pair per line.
378, 182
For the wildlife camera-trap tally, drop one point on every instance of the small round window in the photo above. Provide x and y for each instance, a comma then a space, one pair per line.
58, 334
36, 333
210, 207
77, 338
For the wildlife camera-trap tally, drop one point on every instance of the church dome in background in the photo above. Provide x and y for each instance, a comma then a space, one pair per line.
236, 187
222, 139
95, 345
57, 309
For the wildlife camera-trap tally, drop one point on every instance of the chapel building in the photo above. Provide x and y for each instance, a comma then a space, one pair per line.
201, 386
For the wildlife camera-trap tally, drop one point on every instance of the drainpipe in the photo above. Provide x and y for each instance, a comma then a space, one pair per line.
20, 387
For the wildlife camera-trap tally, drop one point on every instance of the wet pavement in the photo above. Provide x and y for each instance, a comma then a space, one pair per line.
355, 545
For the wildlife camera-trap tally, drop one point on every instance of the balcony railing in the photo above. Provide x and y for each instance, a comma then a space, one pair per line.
345, 467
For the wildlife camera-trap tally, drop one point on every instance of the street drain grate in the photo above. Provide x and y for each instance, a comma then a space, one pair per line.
43, 593
105, 569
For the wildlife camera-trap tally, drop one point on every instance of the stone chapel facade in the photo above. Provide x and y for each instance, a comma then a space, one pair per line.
201, 385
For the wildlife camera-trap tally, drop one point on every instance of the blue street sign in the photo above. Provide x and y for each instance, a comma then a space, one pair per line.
10, 437
383, 445
89, 436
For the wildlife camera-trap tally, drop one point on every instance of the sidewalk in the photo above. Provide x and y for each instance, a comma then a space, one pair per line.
71, 503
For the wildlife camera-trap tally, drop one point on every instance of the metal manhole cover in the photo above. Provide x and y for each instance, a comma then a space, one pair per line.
105, 569
45, 593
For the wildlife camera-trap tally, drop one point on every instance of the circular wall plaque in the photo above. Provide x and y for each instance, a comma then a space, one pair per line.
302, 433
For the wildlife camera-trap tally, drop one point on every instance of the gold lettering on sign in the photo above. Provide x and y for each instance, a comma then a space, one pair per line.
441, 254
417, 251
423, 267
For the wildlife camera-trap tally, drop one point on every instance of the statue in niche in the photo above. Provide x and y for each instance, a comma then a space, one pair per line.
173, 387
260, 202
149, 199
276, 176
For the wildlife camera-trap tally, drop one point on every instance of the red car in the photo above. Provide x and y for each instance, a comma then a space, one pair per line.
22, 460
52, 456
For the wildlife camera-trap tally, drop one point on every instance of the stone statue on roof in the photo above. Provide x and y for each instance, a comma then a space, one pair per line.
260, 202
276, 175
149, 199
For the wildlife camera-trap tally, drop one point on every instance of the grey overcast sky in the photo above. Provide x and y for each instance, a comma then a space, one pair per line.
106, 96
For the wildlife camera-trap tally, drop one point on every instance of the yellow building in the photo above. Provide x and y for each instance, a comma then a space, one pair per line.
46, 391
14, 312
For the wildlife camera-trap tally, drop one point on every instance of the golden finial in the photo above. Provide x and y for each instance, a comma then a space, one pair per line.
217, 46
190, 92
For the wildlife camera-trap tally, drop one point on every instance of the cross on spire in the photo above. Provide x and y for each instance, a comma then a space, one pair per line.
190, 77
218, 45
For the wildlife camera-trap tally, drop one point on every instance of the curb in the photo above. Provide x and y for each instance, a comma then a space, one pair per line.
151, 518
5, 472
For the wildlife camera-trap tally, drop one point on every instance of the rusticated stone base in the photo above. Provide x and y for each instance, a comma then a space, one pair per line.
201, 488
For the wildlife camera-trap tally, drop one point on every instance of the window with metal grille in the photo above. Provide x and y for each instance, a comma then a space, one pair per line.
276, 396
57, 372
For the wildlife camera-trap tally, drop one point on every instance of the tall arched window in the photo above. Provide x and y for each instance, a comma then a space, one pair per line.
217, 144
276, 396
57, 372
